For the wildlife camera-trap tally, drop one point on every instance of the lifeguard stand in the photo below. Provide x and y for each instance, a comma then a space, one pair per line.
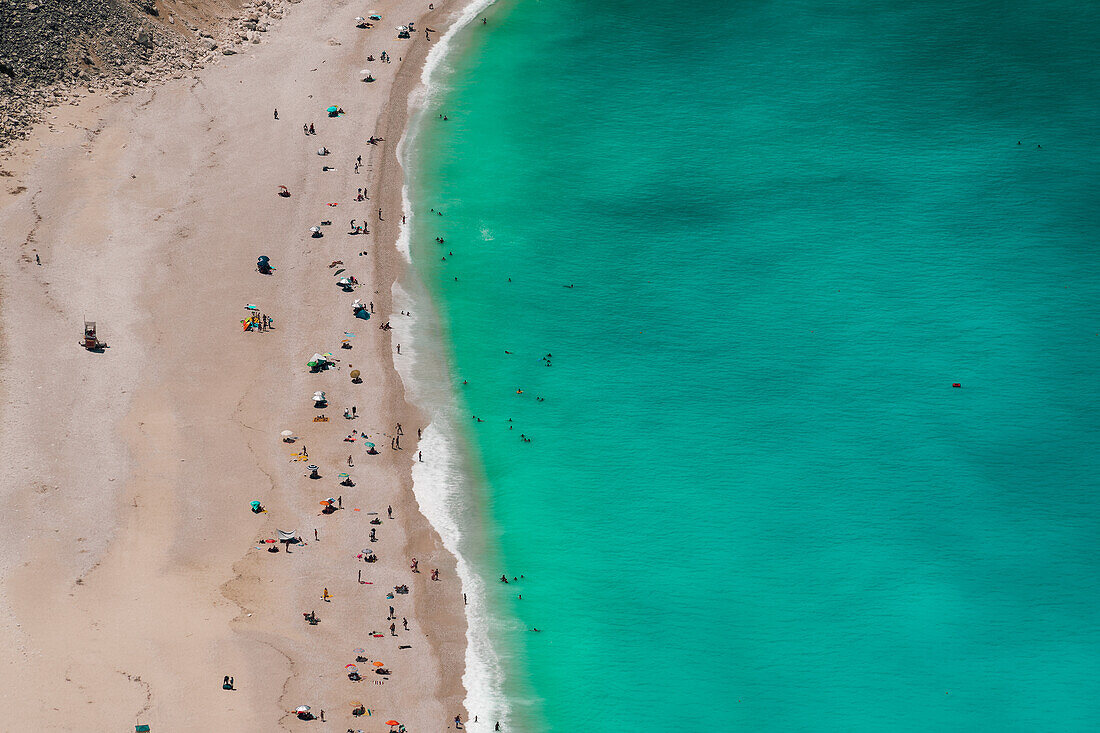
91, 342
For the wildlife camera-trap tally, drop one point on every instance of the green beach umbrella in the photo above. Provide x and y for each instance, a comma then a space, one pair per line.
333, 108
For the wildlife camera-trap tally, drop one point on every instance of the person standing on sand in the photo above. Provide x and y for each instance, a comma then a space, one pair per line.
399, 348
393, 629
415, 565
380, 215
276, 113
420, 456
405, 623
389, 512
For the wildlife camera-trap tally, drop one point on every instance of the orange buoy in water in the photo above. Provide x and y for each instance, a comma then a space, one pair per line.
956, 384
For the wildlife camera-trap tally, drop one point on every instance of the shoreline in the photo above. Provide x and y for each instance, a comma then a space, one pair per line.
195, 437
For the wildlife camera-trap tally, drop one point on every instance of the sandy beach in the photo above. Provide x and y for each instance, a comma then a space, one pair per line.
136, 575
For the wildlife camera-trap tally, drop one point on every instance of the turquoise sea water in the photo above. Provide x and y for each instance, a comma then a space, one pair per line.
753, 500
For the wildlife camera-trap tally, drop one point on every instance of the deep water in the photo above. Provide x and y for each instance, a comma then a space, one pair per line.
752, 499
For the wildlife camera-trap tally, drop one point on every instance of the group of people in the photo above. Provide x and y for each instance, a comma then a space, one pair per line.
262, 322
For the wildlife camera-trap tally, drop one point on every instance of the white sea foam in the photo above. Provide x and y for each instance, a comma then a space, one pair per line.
440, 483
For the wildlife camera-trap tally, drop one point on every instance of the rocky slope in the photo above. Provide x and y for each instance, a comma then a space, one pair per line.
53, 51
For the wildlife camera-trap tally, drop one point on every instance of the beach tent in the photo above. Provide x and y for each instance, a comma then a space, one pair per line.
291, 536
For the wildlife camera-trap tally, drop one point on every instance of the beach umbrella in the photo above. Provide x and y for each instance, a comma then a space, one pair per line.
343, 281
262, 258
392, 722
369, 445
255, 504
380, 664
359, 651
375, 15
333, 108
251, 307
315, 229
302, 709
351, 668
287, 433
326, 502
355, 374
343, 475
356, 704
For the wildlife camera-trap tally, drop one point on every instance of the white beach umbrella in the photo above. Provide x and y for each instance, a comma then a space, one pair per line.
302, 709
287, 433
402, 28
360, 19
315, 229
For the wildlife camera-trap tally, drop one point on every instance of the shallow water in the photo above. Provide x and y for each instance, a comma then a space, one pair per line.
752, 498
